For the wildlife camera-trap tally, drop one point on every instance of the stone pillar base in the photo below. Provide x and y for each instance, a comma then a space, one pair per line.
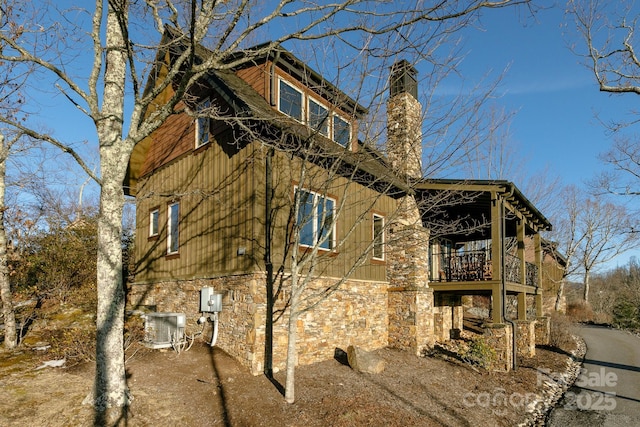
411, 323
499, 337
543, 330
526, 338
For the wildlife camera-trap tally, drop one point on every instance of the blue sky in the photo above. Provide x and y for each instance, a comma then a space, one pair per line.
556, 99
554, 95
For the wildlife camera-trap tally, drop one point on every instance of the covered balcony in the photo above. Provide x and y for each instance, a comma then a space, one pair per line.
485, 240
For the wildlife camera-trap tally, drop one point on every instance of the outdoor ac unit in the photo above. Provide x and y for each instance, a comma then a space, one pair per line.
164, 330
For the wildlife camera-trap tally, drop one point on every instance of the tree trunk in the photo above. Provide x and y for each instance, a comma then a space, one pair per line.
585, 296
559, 295
292, 330
111, 386
10, 335
110, 382
290, 392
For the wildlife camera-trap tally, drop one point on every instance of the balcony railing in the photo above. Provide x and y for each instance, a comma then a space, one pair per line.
470, 266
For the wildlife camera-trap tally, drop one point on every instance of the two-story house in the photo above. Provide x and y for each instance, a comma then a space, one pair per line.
262, 174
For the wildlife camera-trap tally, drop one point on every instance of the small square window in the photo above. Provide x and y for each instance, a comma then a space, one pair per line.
290, 100
341, 131
154, 217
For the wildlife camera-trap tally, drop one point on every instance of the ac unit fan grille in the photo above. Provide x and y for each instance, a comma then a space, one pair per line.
163, 330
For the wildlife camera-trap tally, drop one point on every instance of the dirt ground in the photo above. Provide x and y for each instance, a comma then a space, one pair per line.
206, 387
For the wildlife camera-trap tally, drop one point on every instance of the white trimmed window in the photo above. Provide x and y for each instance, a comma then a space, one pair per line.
341, 131
290, 101
318, 117
202, 123
378, 237
173, 235
154, 218
314, 113
316, 219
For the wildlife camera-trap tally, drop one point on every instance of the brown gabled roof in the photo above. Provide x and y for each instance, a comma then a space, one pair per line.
364, 165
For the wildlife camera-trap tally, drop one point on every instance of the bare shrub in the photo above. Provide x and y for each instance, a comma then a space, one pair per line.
580, 311
561, 333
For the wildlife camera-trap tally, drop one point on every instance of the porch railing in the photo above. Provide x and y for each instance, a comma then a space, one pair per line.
476, 266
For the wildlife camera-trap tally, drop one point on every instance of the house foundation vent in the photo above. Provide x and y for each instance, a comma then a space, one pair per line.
164, 330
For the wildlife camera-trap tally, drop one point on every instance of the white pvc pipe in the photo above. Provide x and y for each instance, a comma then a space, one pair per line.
214, 336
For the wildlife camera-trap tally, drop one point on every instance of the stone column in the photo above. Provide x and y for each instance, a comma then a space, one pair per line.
526, 338
543, 330
499, 337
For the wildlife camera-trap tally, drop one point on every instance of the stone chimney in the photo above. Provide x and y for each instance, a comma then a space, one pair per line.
411, 315
404, 121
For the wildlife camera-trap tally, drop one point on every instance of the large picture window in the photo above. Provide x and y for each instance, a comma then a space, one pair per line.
173, 234
316, 219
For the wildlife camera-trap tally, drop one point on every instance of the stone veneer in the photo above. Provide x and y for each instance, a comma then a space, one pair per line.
356, 315
499, 337
543, 330
411, 319
525, 338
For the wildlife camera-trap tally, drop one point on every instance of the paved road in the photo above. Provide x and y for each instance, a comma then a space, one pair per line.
607, 391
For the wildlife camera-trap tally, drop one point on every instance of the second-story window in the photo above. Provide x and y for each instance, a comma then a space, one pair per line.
314, 113
202, 123
318, 119
341, 131
290, 100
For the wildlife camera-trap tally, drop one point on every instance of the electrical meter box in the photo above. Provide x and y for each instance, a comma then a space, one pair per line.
210, 301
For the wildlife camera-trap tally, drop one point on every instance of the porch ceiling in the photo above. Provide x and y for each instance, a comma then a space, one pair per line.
462, 209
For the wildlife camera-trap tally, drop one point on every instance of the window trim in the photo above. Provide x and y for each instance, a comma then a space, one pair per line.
154, 231
315, 220
171, 227
202, 105
381, 244
306, 97
333, 130
326, 122
303, 113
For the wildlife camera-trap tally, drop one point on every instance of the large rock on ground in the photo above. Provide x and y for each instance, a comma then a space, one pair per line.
363, 361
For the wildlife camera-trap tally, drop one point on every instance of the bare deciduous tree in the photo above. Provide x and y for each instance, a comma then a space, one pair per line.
109, 89
608, 46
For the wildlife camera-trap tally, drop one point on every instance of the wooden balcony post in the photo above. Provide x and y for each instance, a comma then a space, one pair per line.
521, 251
537, 241
497, 252
522, 306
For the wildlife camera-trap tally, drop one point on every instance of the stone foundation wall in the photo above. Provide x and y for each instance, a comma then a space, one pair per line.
525, 338
543, 330
499, 337
354, 315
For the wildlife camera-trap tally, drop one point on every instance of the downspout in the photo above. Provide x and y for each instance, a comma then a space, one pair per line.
503, 281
